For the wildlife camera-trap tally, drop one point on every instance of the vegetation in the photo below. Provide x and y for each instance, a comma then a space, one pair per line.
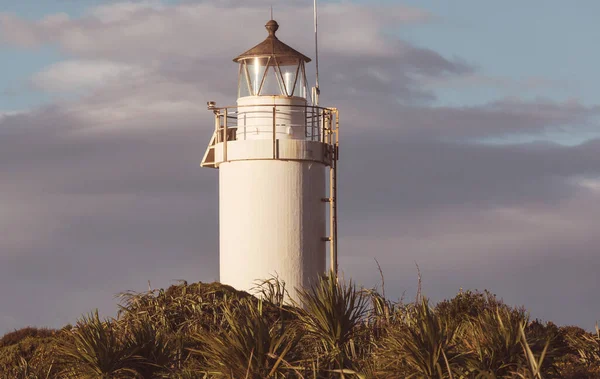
209, 330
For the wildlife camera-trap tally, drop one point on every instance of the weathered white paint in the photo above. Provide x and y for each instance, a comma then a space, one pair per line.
284, 149
272, 221
255, 117
272, 217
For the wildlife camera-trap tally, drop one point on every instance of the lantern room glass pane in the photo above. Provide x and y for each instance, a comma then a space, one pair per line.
288, 74
244, 88
300, 89
272, 83
256, 72
264, 76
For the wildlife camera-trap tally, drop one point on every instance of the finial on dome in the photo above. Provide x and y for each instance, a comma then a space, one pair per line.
272, 26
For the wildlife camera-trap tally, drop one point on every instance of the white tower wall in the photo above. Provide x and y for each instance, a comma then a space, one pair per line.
272, 221
255, 117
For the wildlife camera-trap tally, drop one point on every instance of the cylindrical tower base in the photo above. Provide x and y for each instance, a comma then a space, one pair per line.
272, 221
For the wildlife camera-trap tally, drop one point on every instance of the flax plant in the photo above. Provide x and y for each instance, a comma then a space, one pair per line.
588, 347
420, 345
534, 366
494, 338
253, 347
25, 371
154, 348
330, 317
95, 350
272, 290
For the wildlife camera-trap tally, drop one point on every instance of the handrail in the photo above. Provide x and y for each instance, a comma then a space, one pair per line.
215, 108
314, 123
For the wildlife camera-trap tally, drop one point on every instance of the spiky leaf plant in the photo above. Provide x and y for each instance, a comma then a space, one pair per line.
252, 347
330, 314
583, 360
272, 290
534, 367
546, 335
25, 371
588, 347
381, 312
494, 338
420, 345
95, 350
154, 348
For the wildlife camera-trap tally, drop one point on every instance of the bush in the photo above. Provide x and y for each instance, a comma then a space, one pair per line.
206, 330
17, 336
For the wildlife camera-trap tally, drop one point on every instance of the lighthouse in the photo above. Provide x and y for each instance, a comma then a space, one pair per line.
276, 151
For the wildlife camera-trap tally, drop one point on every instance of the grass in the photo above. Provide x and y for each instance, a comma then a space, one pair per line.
339, 330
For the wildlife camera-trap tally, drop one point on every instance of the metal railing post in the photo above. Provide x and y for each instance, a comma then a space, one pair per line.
225, 137
274, 136
323, 126
217, 125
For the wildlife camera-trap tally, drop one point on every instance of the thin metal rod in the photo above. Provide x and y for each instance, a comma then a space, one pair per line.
318, 91
332, 210
217, 125
333, 219
334, 239
323, 128
274, 135
225, 137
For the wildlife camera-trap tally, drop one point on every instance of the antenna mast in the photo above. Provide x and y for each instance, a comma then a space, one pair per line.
316, 89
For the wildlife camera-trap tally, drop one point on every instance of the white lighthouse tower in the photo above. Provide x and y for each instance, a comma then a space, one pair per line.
276, 153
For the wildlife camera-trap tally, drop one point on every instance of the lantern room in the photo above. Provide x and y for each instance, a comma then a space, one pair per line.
272, 68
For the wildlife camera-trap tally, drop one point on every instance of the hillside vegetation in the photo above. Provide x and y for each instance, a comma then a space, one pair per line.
209, 330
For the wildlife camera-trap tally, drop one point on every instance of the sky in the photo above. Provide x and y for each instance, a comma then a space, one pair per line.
470, 147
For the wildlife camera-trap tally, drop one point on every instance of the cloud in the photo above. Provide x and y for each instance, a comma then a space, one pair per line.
500, 118
90, 215
74, 75
146, 29
480, 80
417, 176
123, 11
184, 43
540, 256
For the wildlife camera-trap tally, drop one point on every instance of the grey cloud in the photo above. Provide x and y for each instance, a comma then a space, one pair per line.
399, 175
185, 43
543, 257
390, 80
470, 123
193, 30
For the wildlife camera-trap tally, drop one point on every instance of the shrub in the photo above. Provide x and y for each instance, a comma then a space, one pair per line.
17, 336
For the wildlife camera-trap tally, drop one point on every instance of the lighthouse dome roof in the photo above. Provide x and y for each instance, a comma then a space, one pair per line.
273, 47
